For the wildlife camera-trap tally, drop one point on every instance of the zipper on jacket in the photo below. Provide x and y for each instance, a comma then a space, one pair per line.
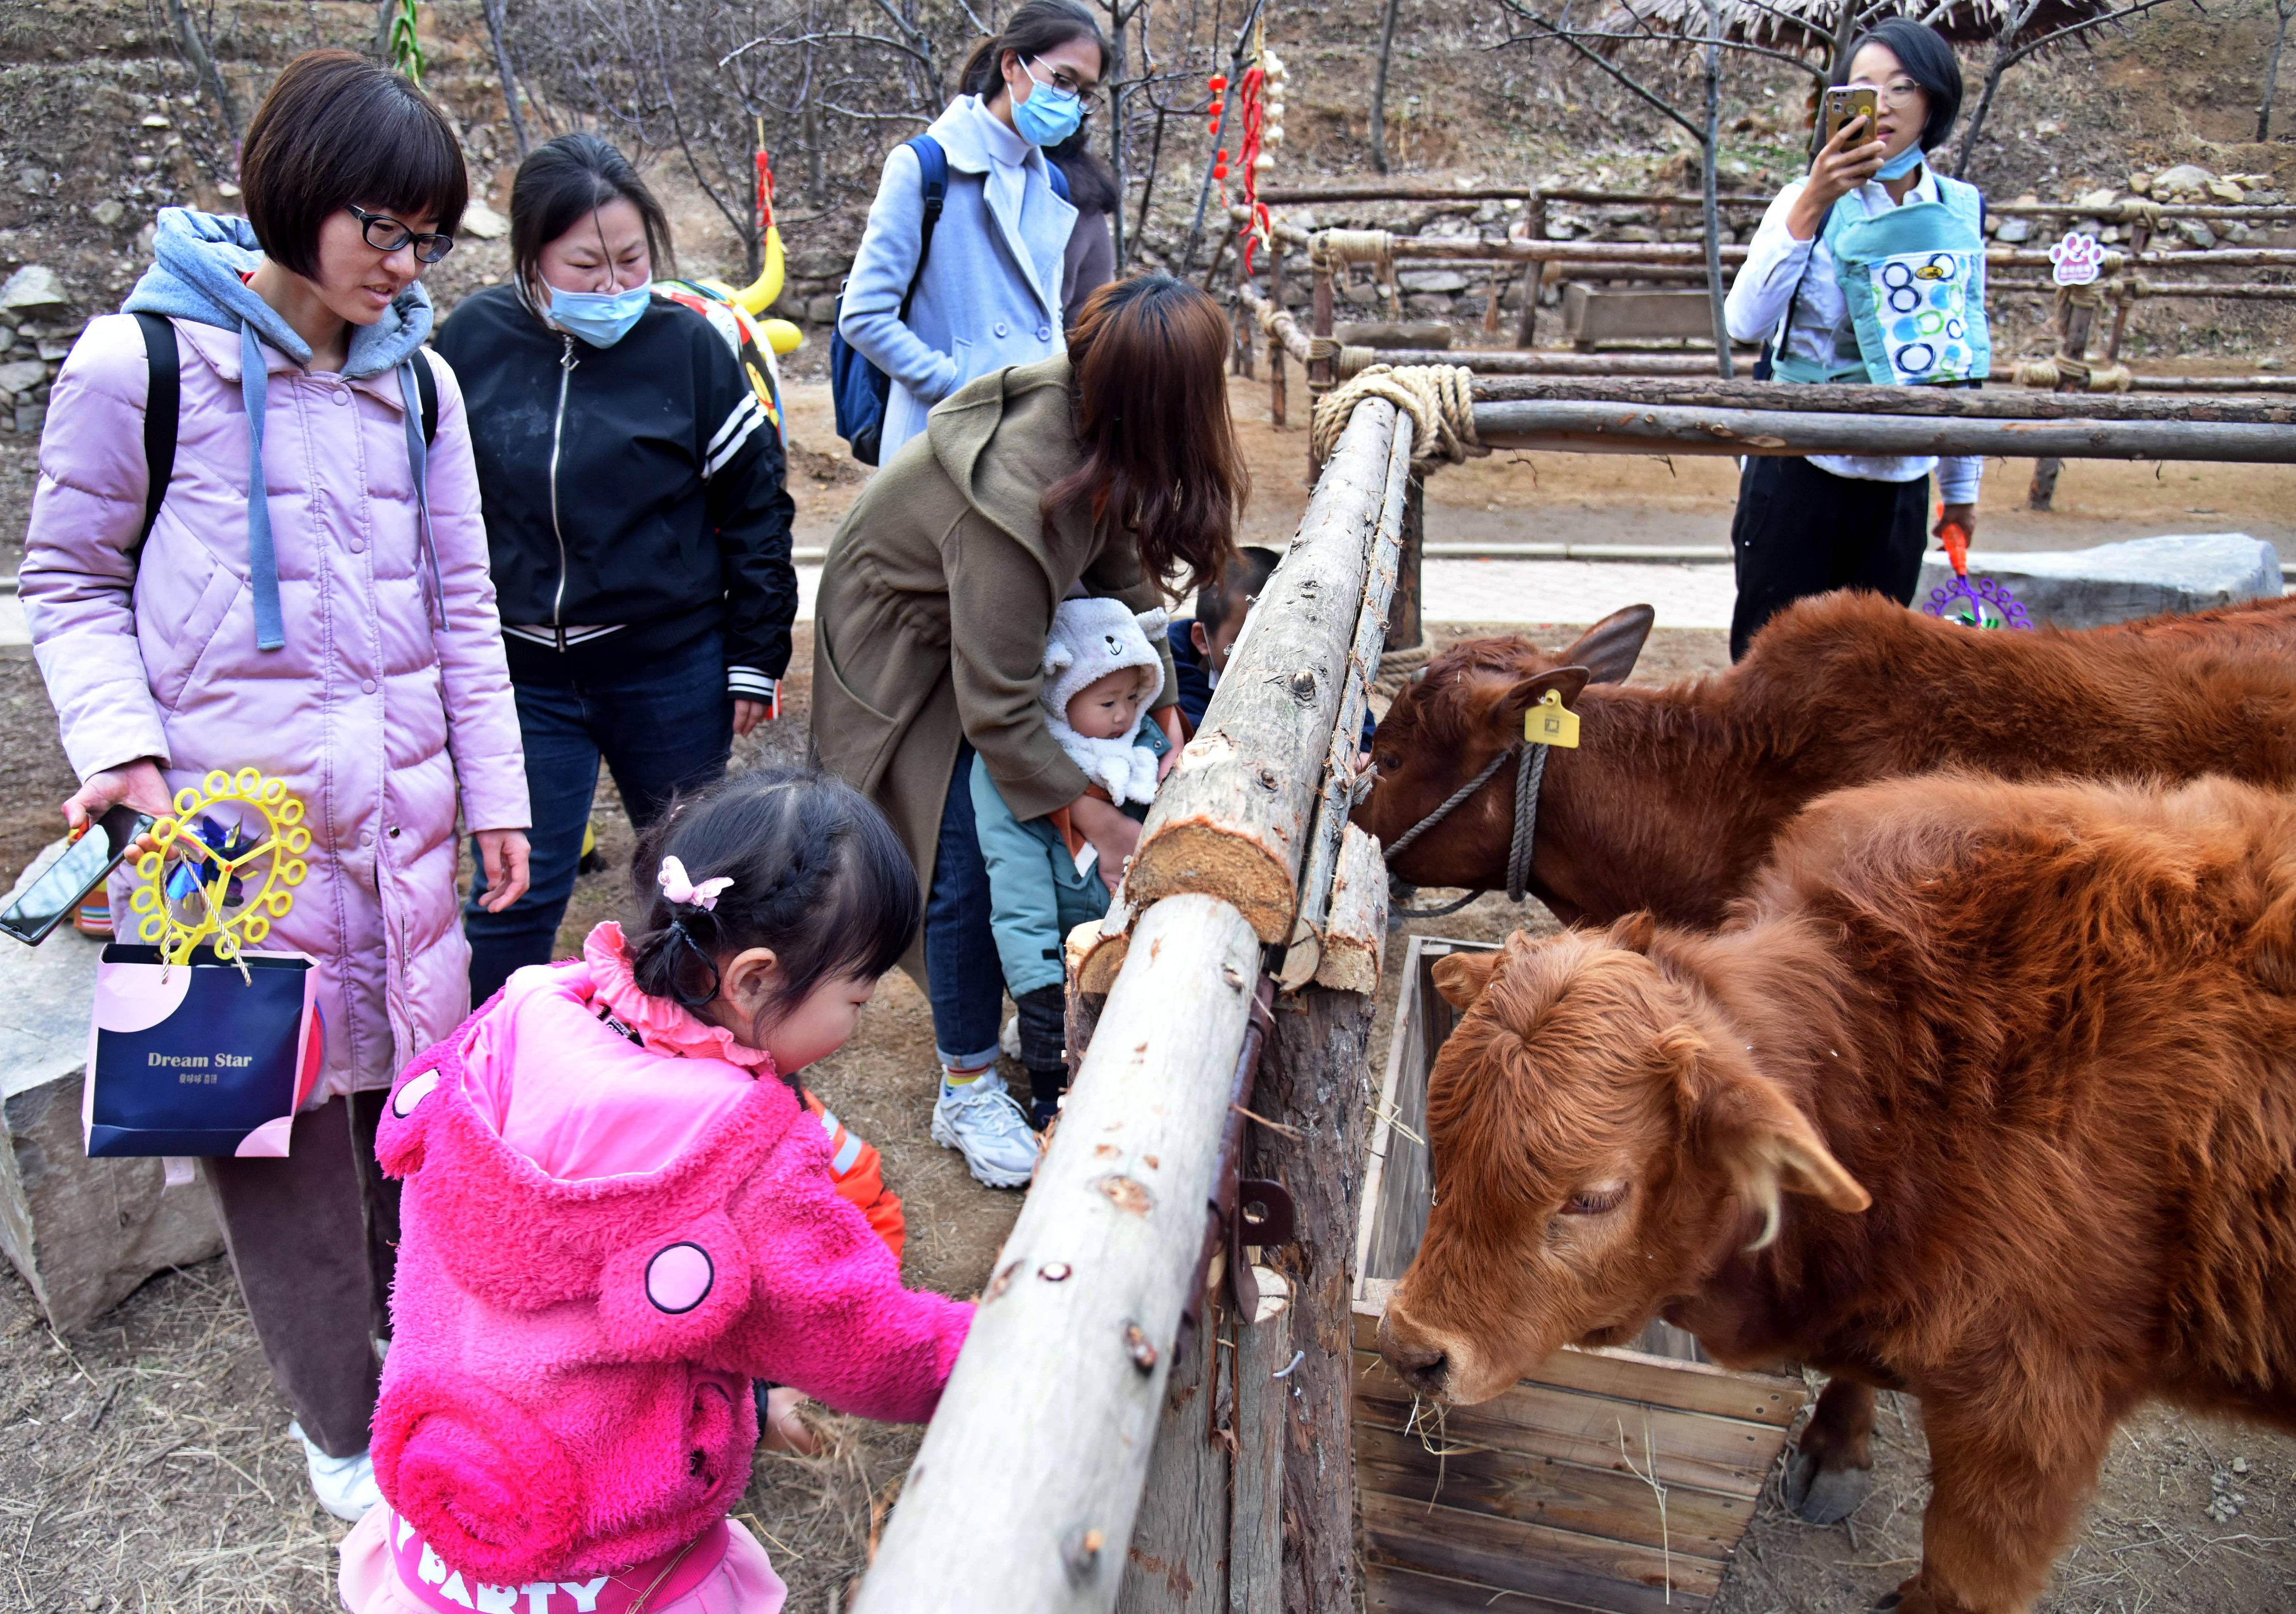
566, 362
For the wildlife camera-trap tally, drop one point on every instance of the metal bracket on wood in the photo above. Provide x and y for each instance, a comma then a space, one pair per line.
1241, 1210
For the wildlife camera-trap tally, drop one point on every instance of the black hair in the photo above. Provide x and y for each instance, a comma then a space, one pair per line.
1928, 61
335, 132
819, 876
1031, 30
1247, 575
1092, 184
563, 181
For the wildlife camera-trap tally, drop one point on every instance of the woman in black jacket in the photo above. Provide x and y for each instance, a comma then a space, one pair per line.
636, 515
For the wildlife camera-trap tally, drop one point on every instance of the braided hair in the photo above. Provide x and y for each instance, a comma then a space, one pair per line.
818, 876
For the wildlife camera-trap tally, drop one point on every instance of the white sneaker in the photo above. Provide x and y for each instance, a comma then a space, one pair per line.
988, 1124
344, 1486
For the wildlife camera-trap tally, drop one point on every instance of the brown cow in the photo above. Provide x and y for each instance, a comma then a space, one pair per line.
1675, 794
1987, 1092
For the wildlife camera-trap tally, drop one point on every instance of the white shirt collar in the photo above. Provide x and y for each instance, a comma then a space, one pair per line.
1875, 195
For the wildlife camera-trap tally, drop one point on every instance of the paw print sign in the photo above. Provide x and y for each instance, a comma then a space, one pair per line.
2077, 260
228, 865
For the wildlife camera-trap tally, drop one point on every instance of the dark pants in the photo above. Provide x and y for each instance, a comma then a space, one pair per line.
314, 1239
1801, 531
663, 725
968, 979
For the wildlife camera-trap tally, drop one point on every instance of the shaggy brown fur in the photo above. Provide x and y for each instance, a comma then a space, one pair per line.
2007, 1071
1675, 794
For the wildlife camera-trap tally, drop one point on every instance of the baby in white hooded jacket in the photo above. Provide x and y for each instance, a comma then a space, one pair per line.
1102, 674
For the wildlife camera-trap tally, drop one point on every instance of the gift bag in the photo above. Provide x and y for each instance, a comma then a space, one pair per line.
198, 1058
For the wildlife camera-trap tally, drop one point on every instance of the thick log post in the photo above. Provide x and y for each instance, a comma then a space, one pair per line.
1314, 1081
1255, 1553
1023, 1495
1534, 220
1233, 818
1320, 371
2072, 367
1178, 1560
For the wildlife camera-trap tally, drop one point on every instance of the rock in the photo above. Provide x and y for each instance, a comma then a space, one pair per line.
54, 351
2095, 201
31, 417
483, 222
2013, 232
36, 182
1436, 303
2196, 232
821, 310
2238, 233
84, 1233
155, 120
109, 212
1356, 294
2185, 179
817, 263
2224, 191
2090, 227
1430, 279
33, 292
22, 375
2117, 582
2142, 183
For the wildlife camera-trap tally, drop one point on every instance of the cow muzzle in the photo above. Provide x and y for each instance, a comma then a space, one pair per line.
1423, 1365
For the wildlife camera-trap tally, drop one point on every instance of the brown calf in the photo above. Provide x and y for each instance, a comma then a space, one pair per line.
1987, 1092
1675, 794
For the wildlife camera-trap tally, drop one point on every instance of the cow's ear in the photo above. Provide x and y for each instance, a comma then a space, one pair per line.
1528, 693
1759, 1137
1461, 977
1608, 651
1636, 931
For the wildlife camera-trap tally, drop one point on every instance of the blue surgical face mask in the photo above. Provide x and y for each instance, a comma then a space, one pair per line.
1904, 163
600, 318
1050, 114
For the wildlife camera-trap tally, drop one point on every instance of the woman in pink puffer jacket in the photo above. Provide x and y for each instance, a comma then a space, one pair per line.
321, 631
618, 1212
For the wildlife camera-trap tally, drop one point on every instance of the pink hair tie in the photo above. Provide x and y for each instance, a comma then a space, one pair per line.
685, 892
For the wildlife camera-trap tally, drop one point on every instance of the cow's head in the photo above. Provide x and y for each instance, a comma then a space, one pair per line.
1601, 1142
1447, 725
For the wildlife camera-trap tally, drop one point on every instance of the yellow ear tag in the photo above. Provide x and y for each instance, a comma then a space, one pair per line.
1552, 722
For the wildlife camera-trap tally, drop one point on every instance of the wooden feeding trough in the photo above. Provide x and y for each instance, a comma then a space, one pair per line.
1612, 1480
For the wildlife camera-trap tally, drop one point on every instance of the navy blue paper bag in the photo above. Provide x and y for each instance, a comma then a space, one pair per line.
197, 1058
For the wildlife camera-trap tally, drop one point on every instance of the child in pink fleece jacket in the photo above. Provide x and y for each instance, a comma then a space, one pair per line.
617, 1211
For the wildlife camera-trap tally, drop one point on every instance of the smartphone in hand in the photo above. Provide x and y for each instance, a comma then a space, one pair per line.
1846, 103
56, 894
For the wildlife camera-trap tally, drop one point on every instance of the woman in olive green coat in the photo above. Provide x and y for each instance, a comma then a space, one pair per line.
1111, 471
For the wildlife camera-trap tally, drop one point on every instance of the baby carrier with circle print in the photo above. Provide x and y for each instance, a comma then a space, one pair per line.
1913, 277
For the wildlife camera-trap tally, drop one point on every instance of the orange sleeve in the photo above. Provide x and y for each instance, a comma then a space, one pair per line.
858, 1171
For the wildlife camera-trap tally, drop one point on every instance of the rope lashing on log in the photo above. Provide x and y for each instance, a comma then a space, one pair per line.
2056, 371
1440, 399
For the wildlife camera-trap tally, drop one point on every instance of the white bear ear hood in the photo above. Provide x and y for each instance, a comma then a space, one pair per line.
1091, 639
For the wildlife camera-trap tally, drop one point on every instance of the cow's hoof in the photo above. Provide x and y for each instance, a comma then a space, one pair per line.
1825, 1495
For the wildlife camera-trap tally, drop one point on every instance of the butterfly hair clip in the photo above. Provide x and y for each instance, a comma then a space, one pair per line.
683, 892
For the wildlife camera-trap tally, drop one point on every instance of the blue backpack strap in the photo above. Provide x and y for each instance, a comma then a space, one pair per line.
934, 163
426, 383
418, 393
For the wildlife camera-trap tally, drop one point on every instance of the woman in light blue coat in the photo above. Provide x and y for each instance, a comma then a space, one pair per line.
991, 292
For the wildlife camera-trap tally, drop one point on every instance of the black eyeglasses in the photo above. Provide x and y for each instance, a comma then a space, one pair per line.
385, 233
1066, 83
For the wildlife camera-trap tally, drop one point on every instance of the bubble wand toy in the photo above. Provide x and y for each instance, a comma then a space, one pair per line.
201, 857
1983, 604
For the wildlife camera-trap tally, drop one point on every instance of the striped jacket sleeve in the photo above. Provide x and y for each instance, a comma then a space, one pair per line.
750, 506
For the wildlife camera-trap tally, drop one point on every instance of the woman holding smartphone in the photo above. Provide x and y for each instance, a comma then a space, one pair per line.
1870, 270
306, 595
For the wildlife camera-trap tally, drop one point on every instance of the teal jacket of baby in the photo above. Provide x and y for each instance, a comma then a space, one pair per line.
1036, 893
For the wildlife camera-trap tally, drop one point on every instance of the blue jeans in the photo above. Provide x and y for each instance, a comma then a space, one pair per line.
968, 981
663, 726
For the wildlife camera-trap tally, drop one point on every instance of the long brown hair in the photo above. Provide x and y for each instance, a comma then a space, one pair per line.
1149, 403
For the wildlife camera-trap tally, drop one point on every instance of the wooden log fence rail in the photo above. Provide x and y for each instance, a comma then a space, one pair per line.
1077, 1382
2125, 210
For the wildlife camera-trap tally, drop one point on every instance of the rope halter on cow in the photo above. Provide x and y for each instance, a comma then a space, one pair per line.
1530, 772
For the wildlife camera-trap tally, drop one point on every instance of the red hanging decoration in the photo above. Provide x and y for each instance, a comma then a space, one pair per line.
765, 185
1257, 227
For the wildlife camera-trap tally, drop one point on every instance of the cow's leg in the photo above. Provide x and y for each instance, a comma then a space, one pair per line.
1831, 1470
2005, 1499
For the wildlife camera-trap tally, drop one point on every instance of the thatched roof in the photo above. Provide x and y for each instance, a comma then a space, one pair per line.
1808, 24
